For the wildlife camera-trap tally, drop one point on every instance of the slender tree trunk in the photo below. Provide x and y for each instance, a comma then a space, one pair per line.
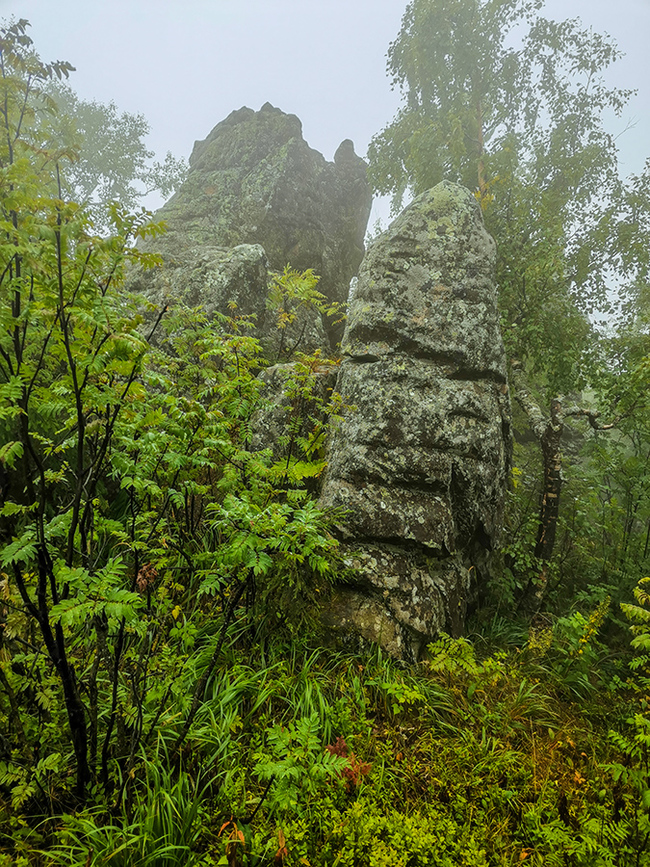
549, 434
55, 645
482, 184
549, 509
548, 431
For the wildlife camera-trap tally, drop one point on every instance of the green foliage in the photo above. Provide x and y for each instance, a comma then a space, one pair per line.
639, 614
630, 770
290, 291
498, 768
372, 837
24, 82
601, 544
112, 162
510, 771
161, 831
523, 128
298, 765
309, 407
130, 493
296, 306
459, 81
103, 158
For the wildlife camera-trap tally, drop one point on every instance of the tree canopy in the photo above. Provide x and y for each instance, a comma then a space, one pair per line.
112, 163
511, 104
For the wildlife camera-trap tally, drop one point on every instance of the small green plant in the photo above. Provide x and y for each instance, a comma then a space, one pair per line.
296, 305
570, 648
297, 765
397, 692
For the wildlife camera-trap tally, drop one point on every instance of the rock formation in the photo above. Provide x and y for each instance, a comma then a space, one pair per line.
211, 277
255, 181
422, 462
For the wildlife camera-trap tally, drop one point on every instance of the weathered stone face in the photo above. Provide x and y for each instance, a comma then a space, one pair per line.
255, 180
231, 281
211, 278
422, 462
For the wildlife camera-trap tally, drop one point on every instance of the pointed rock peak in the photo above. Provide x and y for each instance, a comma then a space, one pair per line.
345, 153
269, 127
255, 180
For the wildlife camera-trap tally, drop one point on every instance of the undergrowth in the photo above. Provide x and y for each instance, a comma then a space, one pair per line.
536, 754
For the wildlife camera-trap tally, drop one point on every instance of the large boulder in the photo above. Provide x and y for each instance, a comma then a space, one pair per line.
213, 278
422, 461
255, 181
232, 281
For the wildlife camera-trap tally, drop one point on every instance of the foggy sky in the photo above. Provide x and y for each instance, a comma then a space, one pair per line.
186, 65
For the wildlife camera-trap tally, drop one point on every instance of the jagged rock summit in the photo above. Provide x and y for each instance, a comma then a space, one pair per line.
422, 460
255, 182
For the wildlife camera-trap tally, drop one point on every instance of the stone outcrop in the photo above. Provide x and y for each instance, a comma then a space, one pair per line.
422, 462
255, 181
230, 281
210, 277
420, 465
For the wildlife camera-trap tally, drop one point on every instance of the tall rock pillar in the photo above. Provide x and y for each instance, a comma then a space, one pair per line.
421, 460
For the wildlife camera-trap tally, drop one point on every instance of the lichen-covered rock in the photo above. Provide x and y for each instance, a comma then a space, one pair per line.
398, 595
234, 282
255, 180
422, 462
213, 278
